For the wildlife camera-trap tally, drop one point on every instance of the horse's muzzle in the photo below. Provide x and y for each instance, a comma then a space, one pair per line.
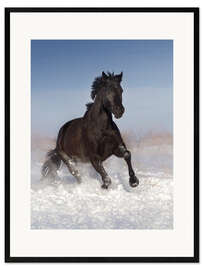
118, 112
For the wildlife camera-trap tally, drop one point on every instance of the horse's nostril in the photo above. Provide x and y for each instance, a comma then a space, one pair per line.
119, 110
122, 110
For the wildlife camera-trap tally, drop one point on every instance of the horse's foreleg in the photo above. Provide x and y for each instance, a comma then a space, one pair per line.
121, 151
69, 163
97, 164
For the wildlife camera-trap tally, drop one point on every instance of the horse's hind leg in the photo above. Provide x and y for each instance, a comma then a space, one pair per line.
97, 164
70, 164
121, 151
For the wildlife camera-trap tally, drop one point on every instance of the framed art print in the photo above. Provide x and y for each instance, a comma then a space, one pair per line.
102, 134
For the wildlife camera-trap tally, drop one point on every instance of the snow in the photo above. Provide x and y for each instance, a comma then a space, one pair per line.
66, 204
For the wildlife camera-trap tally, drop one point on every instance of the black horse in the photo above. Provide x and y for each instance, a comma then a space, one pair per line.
93, 137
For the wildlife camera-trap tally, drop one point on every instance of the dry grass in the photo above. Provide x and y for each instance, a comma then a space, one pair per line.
43, 143
149, 139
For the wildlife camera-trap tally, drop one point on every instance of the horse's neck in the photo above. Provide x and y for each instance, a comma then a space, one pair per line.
99, 116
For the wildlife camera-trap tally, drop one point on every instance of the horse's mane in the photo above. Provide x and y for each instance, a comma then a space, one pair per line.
88, 105
98, 83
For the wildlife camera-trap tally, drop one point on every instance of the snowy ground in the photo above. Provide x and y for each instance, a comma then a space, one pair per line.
68, 205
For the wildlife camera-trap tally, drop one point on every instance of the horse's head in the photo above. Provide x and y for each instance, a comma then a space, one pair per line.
110, 93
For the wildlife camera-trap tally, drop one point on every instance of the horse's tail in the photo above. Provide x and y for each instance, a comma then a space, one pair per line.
52, 163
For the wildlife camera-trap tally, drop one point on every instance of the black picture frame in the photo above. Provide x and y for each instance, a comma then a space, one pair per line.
8, 257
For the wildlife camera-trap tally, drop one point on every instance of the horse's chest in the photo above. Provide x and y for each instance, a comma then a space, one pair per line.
101, 142
106, 146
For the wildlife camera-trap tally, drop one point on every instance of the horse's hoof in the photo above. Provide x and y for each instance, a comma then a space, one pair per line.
134, 182
106, 182
79, 180
105, 186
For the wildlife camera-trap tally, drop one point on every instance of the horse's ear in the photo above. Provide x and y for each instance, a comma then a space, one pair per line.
104, 76
119, 77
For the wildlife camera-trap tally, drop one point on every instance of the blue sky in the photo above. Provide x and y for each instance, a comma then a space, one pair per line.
62, 72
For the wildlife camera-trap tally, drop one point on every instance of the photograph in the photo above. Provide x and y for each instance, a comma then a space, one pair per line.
102, 134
